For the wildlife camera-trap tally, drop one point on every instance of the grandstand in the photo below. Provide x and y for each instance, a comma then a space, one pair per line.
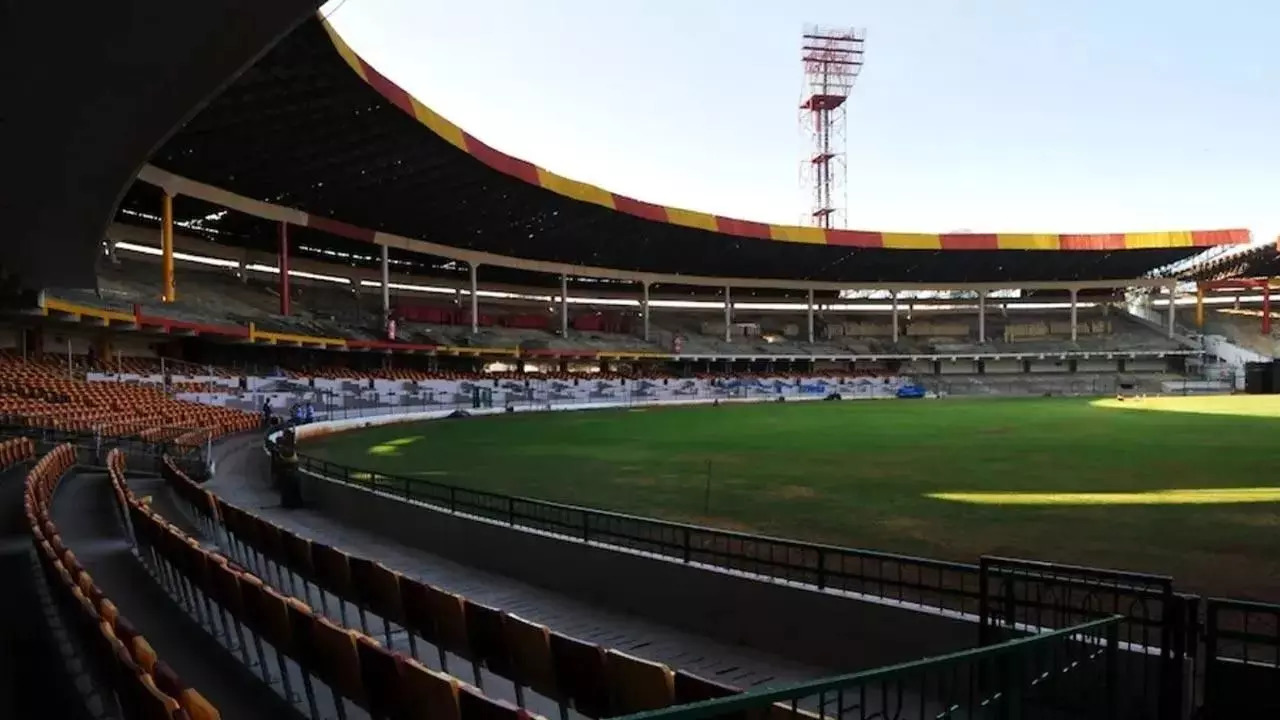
235, 263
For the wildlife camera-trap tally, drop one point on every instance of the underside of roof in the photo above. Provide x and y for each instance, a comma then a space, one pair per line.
90, 89
1253, 262
314, 128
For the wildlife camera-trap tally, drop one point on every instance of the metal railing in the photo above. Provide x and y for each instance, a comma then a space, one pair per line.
92, 447
1158, 628
1242, 659
1179, 652
900, 578
1065, 674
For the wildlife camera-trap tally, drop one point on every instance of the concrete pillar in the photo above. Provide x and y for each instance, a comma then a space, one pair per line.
810, 316
386, 284
1173, 291
894, 297
564, 306
167, 293
1199, 307
475, 301
1266, 308
982, 317
644, 308
728, 312
1074, 315
284, 268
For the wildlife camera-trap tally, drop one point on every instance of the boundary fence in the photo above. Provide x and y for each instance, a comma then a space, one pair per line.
1183, 654
888, 576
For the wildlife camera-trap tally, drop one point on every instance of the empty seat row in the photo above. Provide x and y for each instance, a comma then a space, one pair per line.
255, 620
125, 671
16, 450
41, 394
595, 681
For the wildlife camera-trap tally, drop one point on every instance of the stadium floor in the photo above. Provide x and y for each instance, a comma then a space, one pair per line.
240, 478
1183, 486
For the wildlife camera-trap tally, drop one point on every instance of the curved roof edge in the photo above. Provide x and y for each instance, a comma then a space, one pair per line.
178, 185
584, 192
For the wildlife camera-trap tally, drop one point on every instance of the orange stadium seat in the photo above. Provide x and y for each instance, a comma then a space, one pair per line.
120, 659
356, 668
580, 671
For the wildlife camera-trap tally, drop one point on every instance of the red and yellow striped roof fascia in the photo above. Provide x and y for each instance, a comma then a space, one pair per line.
585, 192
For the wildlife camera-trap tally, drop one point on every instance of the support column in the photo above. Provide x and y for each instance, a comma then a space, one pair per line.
728, 312
1075, 330
386, 285
475, 302
982, 317
1266, 307
284, 268
644, 308
810, 316
167, 292
1199, 307
564, 306
894, 297
1173, 291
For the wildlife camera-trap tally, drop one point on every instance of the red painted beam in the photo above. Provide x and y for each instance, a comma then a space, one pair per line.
1236, 284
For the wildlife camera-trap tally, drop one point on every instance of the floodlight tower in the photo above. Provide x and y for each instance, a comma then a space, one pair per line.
832, 59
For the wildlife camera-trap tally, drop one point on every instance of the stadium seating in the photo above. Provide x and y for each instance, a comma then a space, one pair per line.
123, 667
38, 393
218, 297
592, 680
1242, 328
233, 602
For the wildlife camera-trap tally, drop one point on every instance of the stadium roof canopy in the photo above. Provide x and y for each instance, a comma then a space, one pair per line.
313, 128
1257, 261
90, 90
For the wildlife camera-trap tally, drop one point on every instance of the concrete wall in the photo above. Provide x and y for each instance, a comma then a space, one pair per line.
806, 625
1002, 367
1139, 365
55, 342
918, 368
1097, 366
958, 367
1050, 366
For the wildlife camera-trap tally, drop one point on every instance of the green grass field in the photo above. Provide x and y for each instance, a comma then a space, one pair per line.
1185, 486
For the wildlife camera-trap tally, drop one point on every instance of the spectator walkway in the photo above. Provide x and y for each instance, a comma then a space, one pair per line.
89, 525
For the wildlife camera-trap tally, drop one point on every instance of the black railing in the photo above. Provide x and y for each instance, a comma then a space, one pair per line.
1068, 674
1242, 659
900, 578
1158, 628
143, 454
1164, 669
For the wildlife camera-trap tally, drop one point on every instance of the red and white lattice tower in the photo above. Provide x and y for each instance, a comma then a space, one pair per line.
832, 60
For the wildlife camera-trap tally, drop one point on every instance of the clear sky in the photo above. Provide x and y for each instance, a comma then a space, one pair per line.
982, 115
